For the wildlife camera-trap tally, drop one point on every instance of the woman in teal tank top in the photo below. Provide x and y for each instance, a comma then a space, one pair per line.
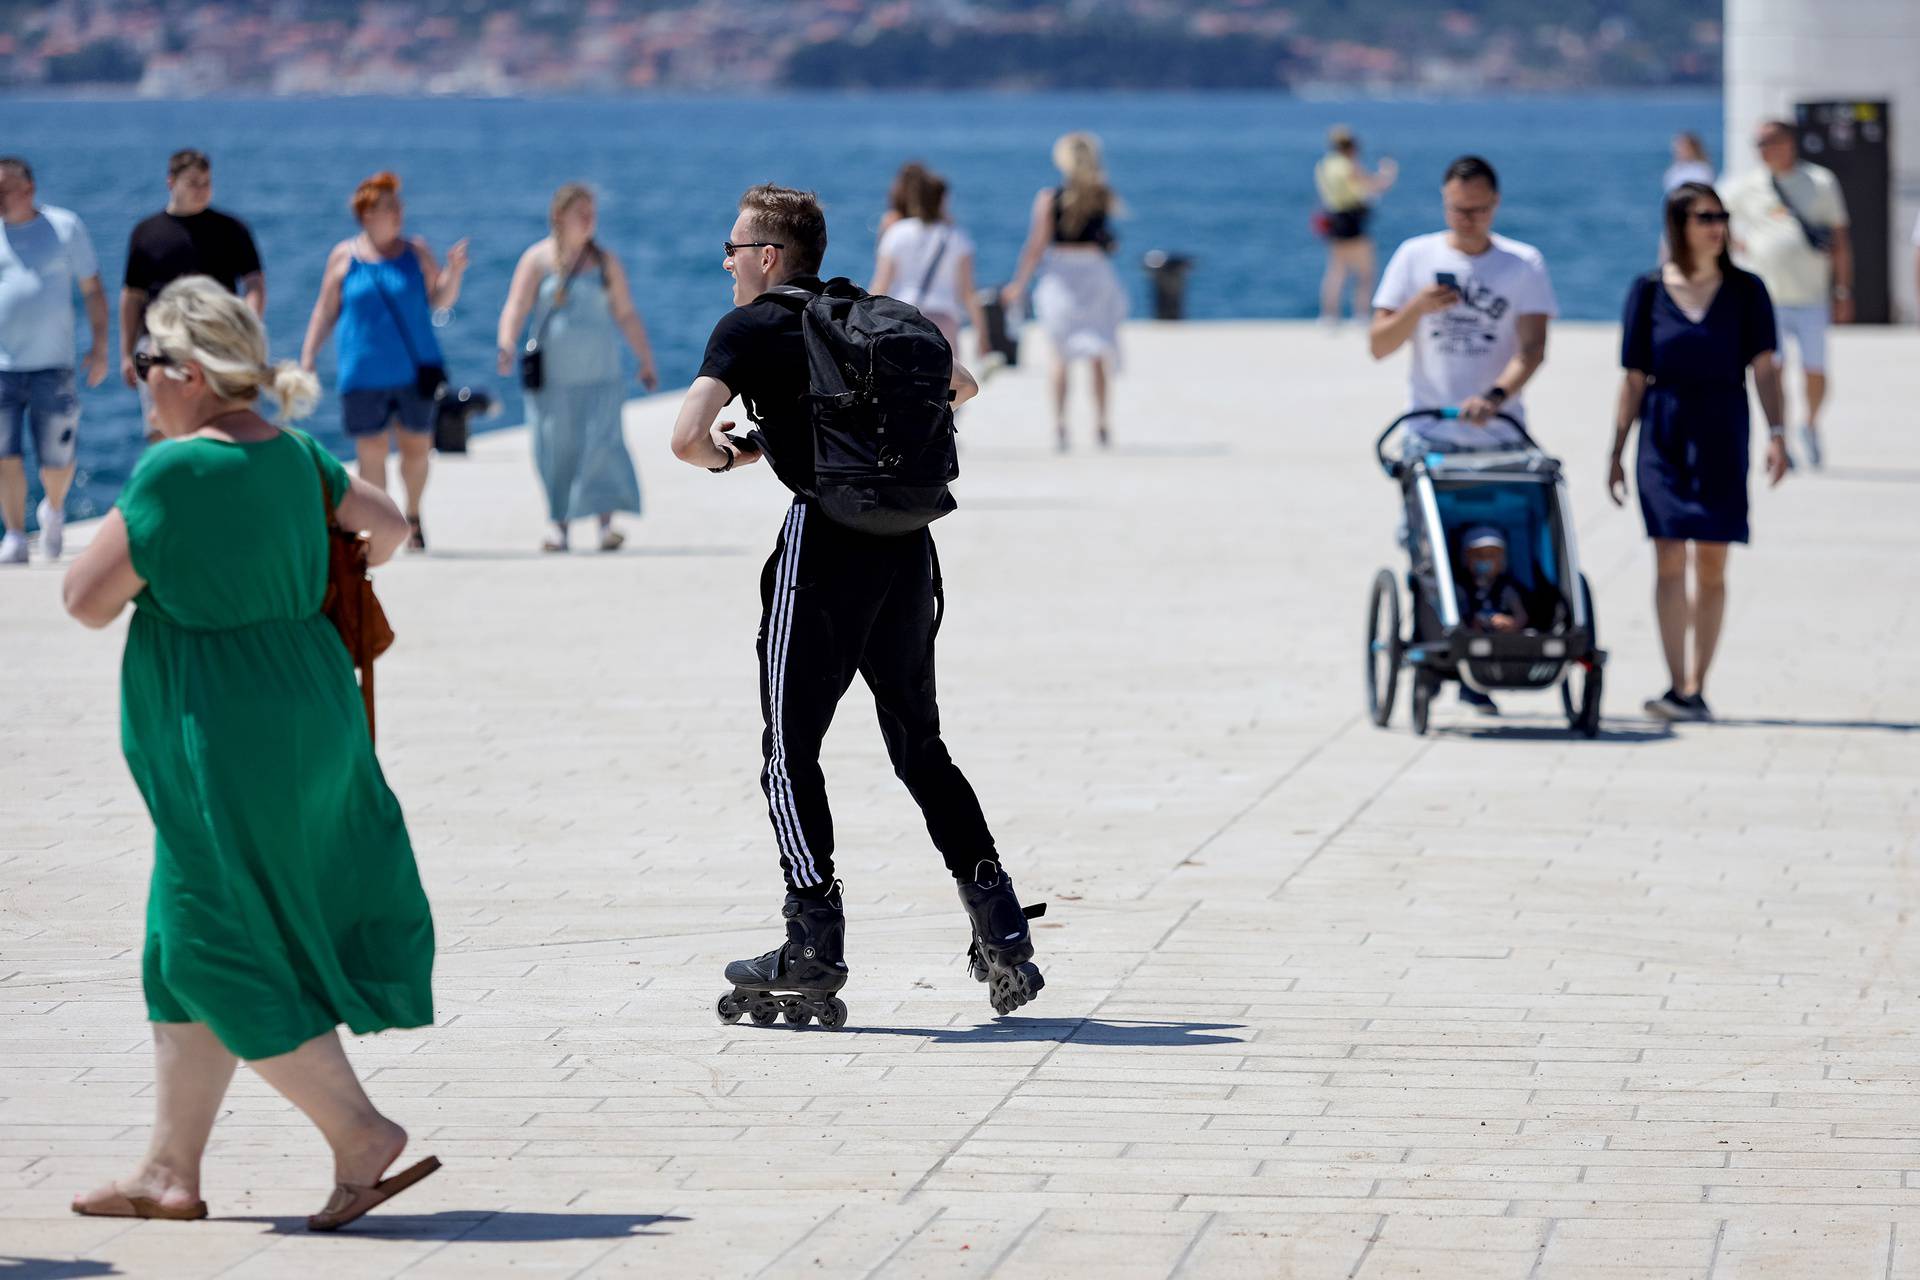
577, 296
284, 899
382, 288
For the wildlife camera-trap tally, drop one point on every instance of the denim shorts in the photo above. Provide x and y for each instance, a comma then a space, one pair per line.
1807, 326
48, 400
371, 410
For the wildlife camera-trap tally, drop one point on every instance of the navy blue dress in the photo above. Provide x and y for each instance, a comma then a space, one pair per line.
1694, 424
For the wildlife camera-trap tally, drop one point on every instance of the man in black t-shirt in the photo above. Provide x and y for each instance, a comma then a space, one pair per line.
185, 239
835, 602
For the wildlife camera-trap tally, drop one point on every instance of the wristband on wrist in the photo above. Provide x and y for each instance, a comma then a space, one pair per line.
731, 457
1776, 431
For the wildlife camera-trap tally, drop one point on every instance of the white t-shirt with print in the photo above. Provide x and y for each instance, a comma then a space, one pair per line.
1460, 352
1768, 240
911, 244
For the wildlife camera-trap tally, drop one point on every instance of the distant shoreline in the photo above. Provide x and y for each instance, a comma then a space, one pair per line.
1674, 93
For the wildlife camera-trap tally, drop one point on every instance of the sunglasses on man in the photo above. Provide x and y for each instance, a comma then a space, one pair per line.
733, 248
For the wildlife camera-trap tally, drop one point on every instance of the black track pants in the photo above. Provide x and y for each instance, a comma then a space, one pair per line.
835, 602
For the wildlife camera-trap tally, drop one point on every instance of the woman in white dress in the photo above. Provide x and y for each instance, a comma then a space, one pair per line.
1078, 301
927, 261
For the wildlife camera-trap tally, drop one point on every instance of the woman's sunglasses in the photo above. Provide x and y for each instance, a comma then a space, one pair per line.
144, 362
1711, 217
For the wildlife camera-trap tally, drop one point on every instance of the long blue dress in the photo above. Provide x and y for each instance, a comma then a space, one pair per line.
577, 442
1694, 421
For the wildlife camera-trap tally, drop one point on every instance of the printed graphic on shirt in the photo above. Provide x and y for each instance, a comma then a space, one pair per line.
1470, 328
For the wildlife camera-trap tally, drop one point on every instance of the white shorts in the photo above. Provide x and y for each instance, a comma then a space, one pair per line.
1807, 326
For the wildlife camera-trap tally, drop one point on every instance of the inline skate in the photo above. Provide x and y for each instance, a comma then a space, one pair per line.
797, 979
1001, 954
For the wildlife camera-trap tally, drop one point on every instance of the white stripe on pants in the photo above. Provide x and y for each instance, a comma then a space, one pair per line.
786, 817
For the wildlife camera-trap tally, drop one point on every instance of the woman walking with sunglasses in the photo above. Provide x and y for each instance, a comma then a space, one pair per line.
1692, 330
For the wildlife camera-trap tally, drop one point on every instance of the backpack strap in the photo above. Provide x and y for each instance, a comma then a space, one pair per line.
791, 295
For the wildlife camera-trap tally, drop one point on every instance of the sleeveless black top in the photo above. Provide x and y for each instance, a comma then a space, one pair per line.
1094, 232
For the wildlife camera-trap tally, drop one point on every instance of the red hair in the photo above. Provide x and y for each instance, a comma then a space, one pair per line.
373, 191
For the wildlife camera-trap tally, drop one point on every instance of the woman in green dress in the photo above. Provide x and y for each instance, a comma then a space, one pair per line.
284, 899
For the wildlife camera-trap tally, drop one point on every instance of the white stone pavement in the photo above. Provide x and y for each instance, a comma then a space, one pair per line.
1323, 1000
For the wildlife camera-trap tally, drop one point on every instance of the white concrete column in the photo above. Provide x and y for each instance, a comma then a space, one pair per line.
1779, 52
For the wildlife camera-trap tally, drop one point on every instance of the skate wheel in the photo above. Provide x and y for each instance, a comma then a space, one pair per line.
728, 1008
797, 1016
833, 1014
764, 1016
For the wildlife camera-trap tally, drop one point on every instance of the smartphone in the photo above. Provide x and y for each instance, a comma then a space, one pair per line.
1447, 279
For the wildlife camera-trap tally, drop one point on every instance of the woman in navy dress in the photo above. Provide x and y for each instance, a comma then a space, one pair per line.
1692, 330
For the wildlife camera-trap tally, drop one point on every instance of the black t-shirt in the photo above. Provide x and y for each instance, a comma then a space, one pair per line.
209, 243
757, 350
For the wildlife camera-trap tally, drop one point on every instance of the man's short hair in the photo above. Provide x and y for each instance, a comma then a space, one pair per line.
19, 166
792, 219
1785, 128
188, 158
1471, 169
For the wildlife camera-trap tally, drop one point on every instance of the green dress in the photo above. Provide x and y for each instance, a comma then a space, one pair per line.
284, 898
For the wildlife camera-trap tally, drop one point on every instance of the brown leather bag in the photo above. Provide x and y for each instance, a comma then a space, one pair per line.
350, 604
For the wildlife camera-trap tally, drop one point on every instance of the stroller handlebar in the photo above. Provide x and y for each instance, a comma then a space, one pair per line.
1449, 414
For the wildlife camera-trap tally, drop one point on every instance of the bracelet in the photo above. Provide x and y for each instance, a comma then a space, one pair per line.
731, 456
1842, 293
1776, 431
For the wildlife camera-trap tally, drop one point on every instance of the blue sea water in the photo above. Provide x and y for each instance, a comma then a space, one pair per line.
1226, 178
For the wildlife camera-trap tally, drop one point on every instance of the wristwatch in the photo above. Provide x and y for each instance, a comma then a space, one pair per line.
1496, 394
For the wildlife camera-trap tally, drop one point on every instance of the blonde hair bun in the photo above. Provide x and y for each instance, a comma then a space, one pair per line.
196, 321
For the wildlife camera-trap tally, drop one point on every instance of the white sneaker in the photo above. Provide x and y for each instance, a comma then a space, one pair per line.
13, 548
53, 529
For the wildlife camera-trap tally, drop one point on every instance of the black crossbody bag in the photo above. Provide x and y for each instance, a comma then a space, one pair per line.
429, 380
1819, 239
533, 361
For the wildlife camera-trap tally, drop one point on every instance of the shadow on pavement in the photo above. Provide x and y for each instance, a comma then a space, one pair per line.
1886, 726
479, 1227
51, 1269
1552, 733
1091, 1031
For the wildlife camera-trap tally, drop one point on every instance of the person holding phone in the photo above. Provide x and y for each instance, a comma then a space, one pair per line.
1475, 307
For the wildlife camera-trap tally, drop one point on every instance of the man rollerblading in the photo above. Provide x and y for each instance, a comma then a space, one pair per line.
851, 397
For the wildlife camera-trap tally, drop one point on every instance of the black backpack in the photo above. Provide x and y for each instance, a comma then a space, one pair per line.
879, 393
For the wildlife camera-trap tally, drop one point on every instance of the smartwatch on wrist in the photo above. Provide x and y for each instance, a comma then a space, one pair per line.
1496, 394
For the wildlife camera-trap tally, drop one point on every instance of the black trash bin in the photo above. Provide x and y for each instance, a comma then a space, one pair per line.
451, 413
1167, 274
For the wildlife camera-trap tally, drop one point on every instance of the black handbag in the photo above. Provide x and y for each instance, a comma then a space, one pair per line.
533, 361
429, 380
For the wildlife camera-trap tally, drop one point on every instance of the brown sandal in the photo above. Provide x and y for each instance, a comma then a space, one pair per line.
125, 1206
349, 1202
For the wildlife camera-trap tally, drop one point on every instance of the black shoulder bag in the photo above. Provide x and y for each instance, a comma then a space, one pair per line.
429, 380
1819, 239
533, 361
